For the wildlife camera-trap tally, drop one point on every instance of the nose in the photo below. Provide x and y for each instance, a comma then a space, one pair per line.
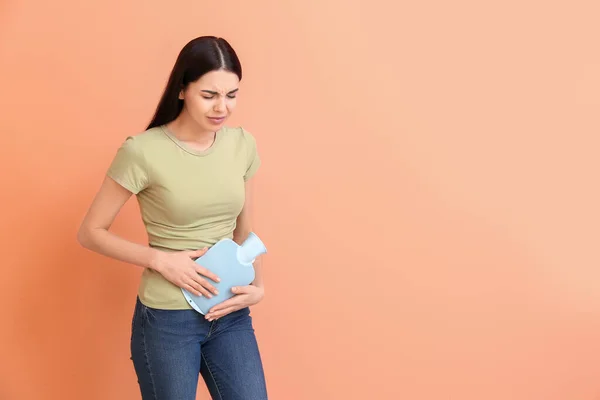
220, 104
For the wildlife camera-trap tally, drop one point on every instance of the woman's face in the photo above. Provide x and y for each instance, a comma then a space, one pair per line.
211, 99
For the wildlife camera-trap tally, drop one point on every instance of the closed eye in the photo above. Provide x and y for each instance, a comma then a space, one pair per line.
212, 94
229, 96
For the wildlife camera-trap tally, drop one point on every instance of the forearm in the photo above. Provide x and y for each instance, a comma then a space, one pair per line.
241, 232
258, 276
239, 235
108, 244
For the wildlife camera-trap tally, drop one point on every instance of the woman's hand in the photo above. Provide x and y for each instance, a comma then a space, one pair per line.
245, 296
180, 269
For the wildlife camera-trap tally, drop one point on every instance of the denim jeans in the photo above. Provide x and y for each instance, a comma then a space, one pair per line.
170, 349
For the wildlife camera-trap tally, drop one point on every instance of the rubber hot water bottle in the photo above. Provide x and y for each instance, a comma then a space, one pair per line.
233, 264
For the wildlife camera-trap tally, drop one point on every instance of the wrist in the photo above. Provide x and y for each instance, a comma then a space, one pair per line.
261, 289
154, 259
258, 285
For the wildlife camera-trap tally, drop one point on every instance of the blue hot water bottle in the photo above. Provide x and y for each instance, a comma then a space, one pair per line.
233, 264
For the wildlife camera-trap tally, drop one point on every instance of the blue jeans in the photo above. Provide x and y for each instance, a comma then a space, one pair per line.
170, 349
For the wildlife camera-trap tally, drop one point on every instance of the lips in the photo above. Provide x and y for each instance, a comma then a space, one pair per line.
216, 120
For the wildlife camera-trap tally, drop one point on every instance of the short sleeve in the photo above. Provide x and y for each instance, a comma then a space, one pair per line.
128, 167
253, 159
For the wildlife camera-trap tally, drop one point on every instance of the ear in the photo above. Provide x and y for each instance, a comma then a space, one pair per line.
182, 91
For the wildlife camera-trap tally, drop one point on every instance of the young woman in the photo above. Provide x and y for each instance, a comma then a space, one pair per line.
191, 176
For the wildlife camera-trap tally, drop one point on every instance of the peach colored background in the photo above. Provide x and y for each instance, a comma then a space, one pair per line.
429, 192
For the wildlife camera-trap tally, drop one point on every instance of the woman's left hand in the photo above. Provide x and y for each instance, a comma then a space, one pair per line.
245, 296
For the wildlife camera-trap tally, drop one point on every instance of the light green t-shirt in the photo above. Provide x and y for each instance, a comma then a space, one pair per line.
188, 199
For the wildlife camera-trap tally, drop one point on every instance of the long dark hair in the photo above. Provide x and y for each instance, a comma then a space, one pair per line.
201, 55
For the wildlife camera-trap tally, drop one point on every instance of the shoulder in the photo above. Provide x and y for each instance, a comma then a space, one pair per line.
237, 131
240, 135
143, 142
146, 138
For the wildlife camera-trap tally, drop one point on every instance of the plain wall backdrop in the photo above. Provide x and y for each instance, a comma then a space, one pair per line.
429, 192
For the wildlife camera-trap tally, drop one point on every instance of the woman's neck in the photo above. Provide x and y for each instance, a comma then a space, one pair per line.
187, 130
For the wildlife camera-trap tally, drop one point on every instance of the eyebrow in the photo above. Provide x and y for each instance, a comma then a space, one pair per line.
212, 92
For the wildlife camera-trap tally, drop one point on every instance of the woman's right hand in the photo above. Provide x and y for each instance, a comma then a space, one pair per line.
180, 269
